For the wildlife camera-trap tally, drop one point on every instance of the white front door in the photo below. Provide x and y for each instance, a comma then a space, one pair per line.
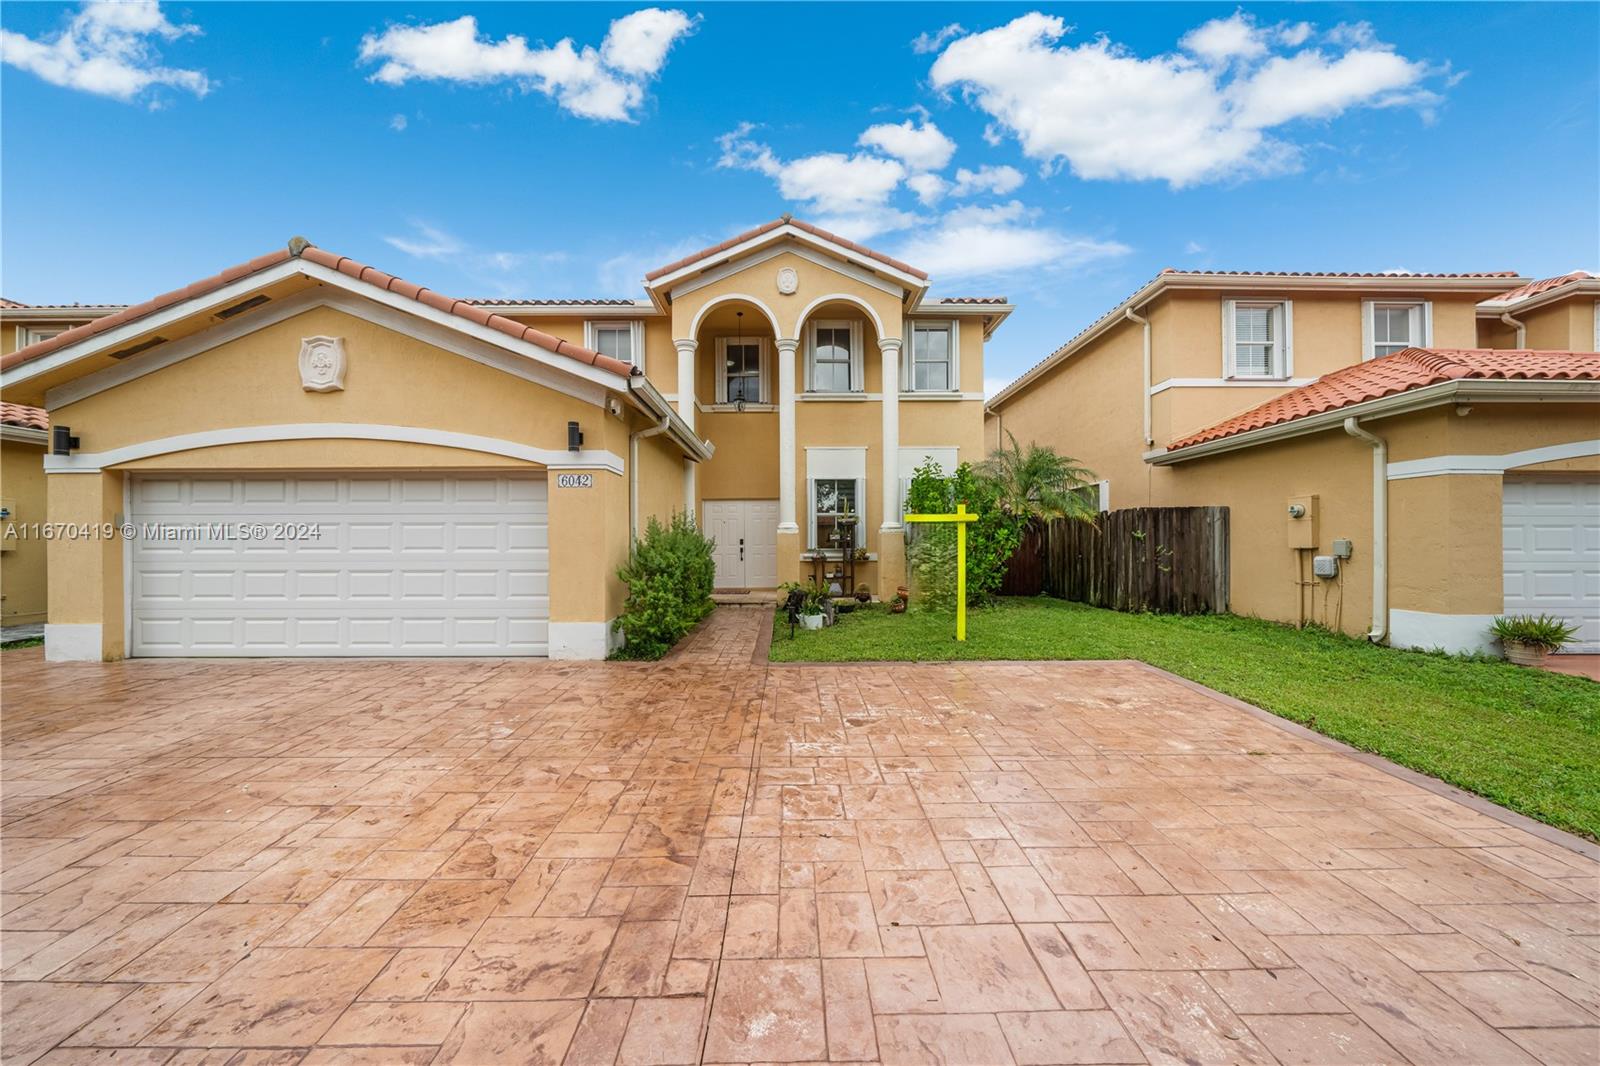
1551, 549
362, 565
746, 535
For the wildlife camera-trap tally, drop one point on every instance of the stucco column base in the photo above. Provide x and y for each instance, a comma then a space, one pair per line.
891, 560
789, 567
85, 572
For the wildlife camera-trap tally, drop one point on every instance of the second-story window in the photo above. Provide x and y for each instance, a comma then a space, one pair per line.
1256, 338
741, 377
933, 357
619, 340
834, 358
1394, 327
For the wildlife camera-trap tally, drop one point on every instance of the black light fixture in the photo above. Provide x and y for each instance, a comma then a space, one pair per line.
62, 442
574, 437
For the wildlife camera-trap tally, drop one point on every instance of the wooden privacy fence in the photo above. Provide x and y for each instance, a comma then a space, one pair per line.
1168, 559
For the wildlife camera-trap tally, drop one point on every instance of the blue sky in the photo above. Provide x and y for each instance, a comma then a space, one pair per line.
1057, 154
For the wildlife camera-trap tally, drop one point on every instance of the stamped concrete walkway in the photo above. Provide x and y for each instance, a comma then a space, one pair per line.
486, 862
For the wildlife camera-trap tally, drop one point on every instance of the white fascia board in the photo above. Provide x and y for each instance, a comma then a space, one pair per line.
1440, 465
649, 399
733, 266
1459, 391
80, 314
667, 282
636, 309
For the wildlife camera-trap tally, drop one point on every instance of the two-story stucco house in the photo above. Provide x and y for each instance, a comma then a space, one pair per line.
374, 468
1438, 434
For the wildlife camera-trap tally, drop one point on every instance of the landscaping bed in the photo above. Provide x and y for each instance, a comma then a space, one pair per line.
1526, 739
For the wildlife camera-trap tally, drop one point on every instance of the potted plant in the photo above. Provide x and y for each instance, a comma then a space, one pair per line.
811, 610
1528, 639
861, 555
863, 593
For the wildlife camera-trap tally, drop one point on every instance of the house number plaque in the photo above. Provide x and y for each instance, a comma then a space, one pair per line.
574, 481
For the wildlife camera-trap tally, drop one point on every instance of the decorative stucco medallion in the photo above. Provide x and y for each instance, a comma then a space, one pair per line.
322, 364
788, 281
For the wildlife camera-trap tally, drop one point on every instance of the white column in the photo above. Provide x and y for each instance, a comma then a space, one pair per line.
786, 448
686, 378
890, 347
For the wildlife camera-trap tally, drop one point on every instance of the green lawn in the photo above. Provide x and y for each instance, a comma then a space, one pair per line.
1523, 738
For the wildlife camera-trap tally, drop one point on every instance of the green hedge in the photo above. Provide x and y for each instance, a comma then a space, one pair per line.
669, 577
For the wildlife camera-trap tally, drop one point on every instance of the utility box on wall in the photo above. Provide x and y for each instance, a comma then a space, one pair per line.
1302, 521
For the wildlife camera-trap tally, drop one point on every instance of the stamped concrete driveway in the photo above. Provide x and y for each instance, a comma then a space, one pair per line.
486, 862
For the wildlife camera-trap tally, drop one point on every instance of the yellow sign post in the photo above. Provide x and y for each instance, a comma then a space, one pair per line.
961, 518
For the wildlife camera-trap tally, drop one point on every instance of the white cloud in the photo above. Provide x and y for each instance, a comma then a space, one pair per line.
107, 48
930, 188
926, 42
398, 123
1203, 113
923, 147
605, 83
992, 386
981, 242
849, 193
1193, 248
998, 180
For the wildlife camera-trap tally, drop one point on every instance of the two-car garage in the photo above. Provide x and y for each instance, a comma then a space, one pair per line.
338, 564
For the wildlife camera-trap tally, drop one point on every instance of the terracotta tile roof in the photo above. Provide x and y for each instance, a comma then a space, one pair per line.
61, 307
588, 301
1403, 371
1400, 276
16, 414
10, 303
298, 248
785, 220
970, 300
1534, 288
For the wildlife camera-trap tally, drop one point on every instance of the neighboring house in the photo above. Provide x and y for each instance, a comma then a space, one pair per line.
24, 434
24, 324
478, 468
1463, 480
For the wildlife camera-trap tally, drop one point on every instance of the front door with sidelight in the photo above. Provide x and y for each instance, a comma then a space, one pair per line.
746, 532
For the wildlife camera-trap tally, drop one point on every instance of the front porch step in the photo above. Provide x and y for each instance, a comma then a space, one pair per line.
744, 597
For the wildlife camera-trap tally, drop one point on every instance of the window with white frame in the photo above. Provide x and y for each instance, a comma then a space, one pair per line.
836, 518
741, 373
833, 362
619, 340
1256, 338
27, 335
1390, 327
932, 361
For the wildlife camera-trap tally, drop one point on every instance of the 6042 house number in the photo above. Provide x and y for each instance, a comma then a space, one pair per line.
574, 481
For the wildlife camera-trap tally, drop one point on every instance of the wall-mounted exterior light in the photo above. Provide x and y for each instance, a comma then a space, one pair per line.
62, 442
574, 437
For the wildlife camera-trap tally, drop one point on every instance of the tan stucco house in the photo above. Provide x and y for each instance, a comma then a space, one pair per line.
314, 457
1438, 435
24, 435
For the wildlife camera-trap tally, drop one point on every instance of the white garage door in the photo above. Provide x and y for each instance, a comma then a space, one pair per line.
1552, 552
412, 565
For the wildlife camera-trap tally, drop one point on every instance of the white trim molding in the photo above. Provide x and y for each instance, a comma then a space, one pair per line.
732, 297
1454, 633
857, 356
94, 462
1281, 367
635, 328
1228, 383
1443, 465
908, 362
801, 320
77, 642
763, 375
1421, 321
583, 640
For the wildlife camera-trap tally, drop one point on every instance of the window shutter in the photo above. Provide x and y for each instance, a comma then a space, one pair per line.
765, 390
1228, 350
861, 512
1286, 340
1425, 329
955, 355
810, 356
811, 512
722, 370
1369, 314
858, 379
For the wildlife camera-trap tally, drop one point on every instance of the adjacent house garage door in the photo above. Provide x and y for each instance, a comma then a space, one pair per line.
1552, 552
412, 565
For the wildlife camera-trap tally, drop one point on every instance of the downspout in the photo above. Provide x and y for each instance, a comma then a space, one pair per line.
1522, 330
633, 471
1380, 528
1145, 322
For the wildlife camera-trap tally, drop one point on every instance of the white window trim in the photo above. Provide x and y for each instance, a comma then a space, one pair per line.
635, 327
908, 359
857, 363
27, 335
722, 367
1285, 360
1421, 320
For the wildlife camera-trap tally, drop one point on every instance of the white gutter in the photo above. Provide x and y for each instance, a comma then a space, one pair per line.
1145, 322
1522, 330
633, 472
1380, 528
649, 399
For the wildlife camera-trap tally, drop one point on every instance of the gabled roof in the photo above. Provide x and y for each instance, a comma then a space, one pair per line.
1543, 287
9, 304
779, 227
299, 248
1403, 371
1244, 280
16, 414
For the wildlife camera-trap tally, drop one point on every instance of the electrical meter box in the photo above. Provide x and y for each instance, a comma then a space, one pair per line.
1302, 521
1325, 565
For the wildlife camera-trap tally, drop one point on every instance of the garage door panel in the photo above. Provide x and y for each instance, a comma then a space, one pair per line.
1551, 549
402, 566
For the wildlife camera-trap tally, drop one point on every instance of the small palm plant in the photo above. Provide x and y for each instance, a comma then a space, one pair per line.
1529, 638
1037, 483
